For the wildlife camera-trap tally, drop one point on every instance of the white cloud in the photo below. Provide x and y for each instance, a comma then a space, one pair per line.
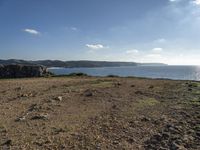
153, 55
95, 46
197, 2
133, 51
157, 50
72, 28
161, 40
32, 31
174, 0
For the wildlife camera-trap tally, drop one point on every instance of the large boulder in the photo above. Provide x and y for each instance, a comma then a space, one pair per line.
20, 71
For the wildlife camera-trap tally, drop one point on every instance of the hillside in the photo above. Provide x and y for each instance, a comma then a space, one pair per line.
72, 64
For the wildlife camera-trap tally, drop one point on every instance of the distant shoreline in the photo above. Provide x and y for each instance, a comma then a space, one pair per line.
76, 64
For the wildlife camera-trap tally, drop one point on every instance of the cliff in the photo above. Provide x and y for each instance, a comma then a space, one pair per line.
20, 71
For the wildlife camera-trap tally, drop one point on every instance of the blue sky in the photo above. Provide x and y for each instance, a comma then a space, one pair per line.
166, 31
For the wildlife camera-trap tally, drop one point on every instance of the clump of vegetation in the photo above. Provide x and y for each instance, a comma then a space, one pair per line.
148, 102
49, 74
195, 102
194, 84
196, 92
112, 76
77, 74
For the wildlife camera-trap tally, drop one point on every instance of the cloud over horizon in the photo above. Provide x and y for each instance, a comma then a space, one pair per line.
157, 50
197, 2
133, 51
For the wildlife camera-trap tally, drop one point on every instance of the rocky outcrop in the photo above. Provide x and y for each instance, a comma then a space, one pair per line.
20, 71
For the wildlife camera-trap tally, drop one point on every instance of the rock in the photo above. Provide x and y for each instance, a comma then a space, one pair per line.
117, 84
114, 106
20, 71
88, 93
198, 133
174, 146
40, 117
20, 119
7, 142
132, 85
58, 130
59, 98
18, 88
131, 140
115, 142
187, 138
3, 130
165, 135
145, 119
162, 148
190, 131
34, 107
157, 137
139, 92
26, 95
151, 87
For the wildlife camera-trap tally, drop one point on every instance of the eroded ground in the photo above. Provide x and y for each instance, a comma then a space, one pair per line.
99, 113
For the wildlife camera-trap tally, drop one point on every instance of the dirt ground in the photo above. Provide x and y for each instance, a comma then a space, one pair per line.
91, 113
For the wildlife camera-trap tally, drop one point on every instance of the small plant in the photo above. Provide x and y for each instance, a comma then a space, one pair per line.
193, 84
112, 76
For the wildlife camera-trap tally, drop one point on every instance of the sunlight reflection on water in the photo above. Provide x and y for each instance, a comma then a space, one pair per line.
197, 73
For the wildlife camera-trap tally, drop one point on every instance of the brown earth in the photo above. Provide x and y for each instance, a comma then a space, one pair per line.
99, 113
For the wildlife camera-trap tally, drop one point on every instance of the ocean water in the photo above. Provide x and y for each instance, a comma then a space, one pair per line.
165, 72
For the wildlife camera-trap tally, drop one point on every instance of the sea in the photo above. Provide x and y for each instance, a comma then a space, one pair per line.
155, 72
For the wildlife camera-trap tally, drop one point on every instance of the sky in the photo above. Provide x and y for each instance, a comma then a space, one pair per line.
165, 31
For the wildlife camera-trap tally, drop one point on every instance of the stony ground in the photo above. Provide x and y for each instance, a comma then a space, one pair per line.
99, 113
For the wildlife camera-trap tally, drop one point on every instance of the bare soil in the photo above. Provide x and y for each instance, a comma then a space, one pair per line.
99, 113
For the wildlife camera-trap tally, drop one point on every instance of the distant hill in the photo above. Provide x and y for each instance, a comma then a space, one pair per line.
152, 64
73, 64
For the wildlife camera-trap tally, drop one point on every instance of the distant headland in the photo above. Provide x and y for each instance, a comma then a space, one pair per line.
76, 64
